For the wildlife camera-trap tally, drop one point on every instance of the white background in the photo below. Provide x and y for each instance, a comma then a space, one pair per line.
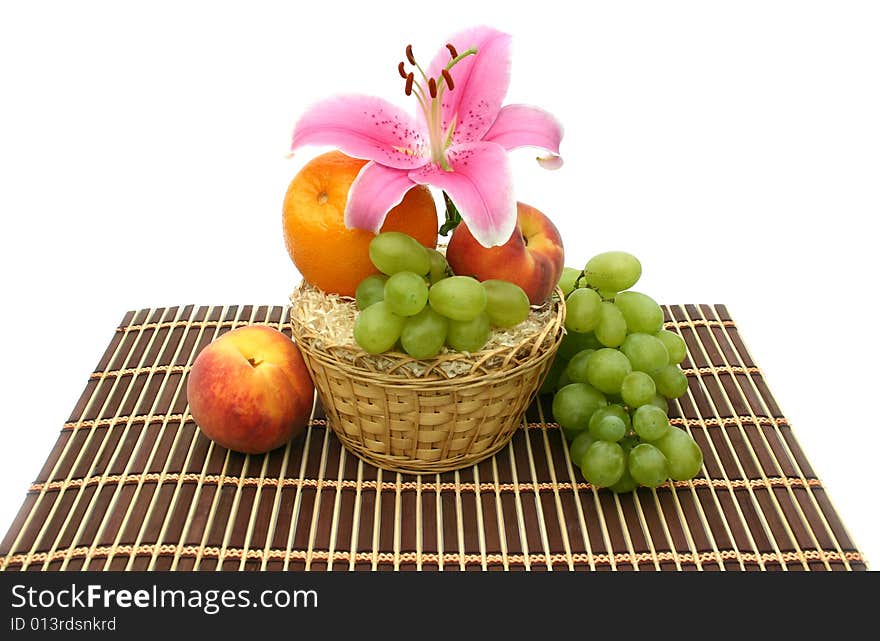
732, 146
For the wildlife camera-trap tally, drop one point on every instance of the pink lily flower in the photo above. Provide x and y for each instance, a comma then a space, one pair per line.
458, 140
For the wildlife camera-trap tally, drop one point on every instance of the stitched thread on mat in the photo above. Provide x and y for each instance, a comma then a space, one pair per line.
197, 324
227, 323
448, 558
424, 486
182, 369
320, 422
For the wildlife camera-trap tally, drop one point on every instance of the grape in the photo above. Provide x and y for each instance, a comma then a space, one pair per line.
575, 403
603, 463
377, 328
615, 372
579, 447
646, 353
659, 401
614, 270
628, 442
574, 342
571, 433
648, 465
506, 303
614, 410
582, 310
439, 266
370, 290
548, 386
609, 428
563, 380
606, 369
568, 279
671, 381
469, 335
637, 389
424, 334
459, 298
682, 453
675, 345
394, 251
577, 366
610, 331
650, 423
642, 313
406, 293
625, 484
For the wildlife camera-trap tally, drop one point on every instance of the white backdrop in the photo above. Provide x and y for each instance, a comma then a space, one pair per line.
732, 146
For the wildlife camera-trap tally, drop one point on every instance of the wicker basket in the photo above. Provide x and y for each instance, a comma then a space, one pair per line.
419, 417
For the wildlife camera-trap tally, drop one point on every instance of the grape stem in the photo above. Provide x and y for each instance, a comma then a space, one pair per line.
577, 284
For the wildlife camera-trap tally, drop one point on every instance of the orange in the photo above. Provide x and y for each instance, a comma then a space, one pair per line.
327, 254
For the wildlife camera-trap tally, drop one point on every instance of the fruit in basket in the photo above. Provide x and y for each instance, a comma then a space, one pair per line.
424, 305
469, 335
394, 251
628, 365
370, 290
406, 293
250, 391
328, 254
532, 258
377, 328
458, 298
424, 335
439, 267
506, 304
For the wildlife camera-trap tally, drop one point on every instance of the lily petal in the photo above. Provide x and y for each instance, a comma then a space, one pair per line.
527, 126
550, 162
364, 127
481, 82
480, 184
375, 191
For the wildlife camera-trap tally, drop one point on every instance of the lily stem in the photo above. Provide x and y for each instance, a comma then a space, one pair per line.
452, 216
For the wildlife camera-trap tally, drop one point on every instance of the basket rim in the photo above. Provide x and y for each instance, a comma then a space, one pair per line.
486, 364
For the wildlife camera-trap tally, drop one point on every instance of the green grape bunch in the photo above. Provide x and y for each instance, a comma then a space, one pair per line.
612, 379
419, 306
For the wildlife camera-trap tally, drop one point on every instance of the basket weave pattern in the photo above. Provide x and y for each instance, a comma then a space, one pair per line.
427, 420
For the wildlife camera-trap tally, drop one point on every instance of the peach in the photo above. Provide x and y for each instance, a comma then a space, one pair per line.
250, 391
533, 258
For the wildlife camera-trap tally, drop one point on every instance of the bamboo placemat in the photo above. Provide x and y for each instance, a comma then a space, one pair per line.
132, 485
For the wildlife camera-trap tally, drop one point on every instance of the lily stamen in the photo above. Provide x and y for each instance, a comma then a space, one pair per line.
430, 96
448, 78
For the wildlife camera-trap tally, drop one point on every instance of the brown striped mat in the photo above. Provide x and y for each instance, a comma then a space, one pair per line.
132, 485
